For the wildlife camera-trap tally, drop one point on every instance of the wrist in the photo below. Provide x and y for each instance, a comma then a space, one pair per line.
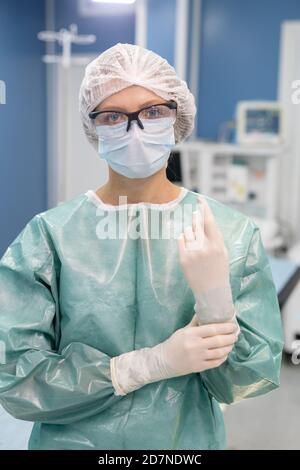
114, 379
214, 305
130, 371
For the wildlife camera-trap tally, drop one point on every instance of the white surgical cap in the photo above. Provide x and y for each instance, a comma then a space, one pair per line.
124, 65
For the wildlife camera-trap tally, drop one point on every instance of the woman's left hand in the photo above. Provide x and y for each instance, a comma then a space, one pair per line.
202, 252
205, 262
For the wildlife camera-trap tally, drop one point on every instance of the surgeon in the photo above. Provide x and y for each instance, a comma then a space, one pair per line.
129, 313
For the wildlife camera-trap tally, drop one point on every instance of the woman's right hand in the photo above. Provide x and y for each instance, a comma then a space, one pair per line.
195, 348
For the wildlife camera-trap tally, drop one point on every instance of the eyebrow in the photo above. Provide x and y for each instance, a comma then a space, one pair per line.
117, 108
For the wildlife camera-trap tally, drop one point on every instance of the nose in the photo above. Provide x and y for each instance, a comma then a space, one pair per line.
137, 119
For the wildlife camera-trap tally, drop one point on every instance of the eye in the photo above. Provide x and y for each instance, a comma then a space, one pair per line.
155, 112
110, 118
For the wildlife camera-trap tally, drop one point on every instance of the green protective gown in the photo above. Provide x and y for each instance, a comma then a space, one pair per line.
70, 299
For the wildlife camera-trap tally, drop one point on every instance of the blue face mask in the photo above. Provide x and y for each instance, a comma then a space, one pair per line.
137, 153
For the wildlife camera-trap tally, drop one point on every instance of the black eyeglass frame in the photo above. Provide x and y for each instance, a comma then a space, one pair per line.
135, 115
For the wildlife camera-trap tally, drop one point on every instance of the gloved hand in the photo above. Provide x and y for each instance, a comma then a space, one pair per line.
192, 348
204, 260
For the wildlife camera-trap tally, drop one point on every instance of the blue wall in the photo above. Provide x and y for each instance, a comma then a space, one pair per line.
161, 28
239, 55
23, 139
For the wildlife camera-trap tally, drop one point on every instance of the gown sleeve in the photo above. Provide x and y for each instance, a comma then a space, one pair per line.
38, 383
253, 366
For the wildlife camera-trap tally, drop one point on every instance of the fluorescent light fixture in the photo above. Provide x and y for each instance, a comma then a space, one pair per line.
114, 1
106, 7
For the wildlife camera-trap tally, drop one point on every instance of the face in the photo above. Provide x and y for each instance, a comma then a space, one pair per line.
144, 148
130, 99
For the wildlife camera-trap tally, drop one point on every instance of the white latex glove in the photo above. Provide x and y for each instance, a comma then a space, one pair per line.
192, 348
205, 263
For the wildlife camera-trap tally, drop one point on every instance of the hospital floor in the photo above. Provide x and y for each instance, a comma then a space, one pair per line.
268, 422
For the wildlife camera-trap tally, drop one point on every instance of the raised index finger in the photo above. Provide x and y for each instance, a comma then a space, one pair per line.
211, 228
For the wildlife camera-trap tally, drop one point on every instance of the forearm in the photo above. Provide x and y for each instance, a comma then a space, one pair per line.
215, 306
252, 369
132, 370
57, 388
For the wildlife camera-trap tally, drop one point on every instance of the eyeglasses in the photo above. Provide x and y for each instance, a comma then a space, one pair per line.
161, 114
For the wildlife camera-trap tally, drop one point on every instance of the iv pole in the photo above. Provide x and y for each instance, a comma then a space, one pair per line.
65, 38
